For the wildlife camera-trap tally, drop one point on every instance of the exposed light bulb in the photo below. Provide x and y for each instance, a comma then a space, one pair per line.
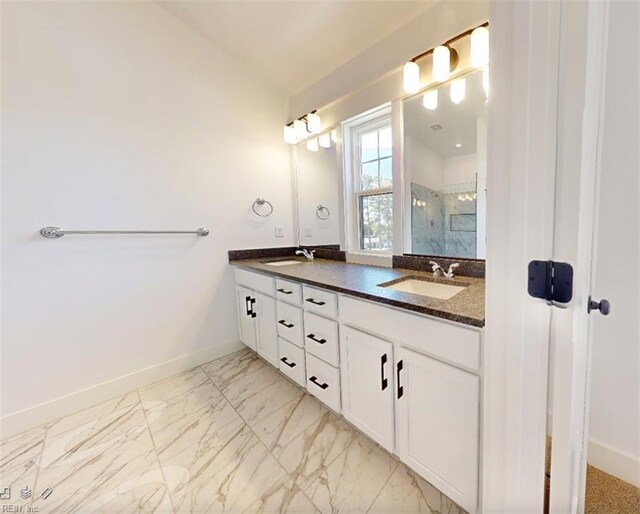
457, 90
300, 129
314, 123
430, 100
441, 63
480, 47
312, 144
289, 134
485, 81
334, 135
325, 140
411, 77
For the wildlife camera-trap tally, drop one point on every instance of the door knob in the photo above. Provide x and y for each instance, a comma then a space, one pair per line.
603, 306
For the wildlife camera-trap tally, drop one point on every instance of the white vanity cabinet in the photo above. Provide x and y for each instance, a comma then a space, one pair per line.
437, 431
409, 382
256, 311
367, 384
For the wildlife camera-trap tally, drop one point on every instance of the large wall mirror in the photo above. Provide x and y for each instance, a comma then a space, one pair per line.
445, 171
318, 179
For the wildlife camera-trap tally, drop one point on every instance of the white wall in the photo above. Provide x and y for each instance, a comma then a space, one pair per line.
422, 166
116, 115
614, 428
461, 170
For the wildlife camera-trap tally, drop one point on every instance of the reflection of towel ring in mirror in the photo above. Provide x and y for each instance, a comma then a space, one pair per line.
321, 209
259, 202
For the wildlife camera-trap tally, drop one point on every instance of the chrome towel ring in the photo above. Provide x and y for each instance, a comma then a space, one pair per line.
260, 202
322, 209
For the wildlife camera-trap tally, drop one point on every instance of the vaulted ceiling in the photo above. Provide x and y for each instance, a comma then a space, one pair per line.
292, 44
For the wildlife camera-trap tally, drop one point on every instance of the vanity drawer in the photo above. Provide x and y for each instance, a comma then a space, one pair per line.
289, 321
451, 342
320, 301
321, 338
292, 361
323, 382
255, 281
288, 291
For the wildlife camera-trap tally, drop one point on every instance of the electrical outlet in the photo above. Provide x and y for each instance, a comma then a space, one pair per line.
307, 231
279, 231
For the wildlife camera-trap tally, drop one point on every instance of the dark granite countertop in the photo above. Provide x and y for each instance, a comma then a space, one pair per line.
363, 281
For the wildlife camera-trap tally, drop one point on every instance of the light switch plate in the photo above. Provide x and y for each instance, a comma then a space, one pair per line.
279, 231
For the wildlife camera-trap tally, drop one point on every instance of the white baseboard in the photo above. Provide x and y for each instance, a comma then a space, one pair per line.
46, 412
611, 460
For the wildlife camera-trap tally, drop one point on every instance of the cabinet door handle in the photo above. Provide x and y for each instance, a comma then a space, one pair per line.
398, 370
285, 324
314, 379
253, 313
247, 304
284, 291
313, 338
384, 382
314, 302
290, 364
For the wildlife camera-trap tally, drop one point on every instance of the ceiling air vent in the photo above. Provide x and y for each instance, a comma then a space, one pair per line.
435, 126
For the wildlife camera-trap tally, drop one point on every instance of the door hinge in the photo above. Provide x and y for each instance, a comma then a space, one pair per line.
551, 281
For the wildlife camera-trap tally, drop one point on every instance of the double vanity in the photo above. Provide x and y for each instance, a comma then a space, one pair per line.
395, 351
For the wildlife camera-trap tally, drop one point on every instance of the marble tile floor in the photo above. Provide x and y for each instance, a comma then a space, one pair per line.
233, 435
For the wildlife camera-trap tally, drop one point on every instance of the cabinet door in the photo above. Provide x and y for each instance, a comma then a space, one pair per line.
246, 316
265, 308
366, 365
437, 424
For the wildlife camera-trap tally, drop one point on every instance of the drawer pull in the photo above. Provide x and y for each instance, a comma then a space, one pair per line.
384, 381
290, 364
400, 388
284, 291
313, 338
247, 305
314, 379
315, 302
285, 324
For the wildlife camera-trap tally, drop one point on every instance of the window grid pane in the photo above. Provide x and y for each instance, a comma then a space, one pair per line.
376, 222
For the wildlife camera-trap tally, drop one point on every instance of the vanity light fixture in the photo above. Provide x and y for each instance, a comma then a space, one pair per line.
290, 135
300, 129
312, 144
457, 91
430, 100
325, 140
441, 63
411, 77
480, 47
445, 58
314, 123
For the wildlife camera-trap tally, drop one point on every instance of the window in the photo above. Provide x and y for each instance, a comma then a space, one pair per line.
373, 181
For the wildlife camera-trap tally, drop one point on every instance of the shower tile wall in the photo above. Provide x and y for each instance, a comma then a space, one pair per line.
433, 216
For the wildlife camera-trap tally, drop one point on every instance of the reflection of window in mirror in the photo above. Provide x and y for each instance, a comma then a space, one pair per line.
370, 149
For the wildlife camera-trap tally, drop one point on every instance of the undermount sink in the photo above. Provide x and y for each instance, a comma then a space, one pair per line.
426, 288
282, 263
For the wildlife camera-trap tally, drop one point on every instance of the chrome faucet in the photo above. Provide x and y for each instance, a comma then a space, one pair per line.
436, 268
438, 271
307, 253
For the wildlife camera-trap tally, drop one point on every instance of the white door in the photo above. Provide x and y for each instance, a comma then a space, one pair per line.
437, 424
367, 384
267, 332
246, 316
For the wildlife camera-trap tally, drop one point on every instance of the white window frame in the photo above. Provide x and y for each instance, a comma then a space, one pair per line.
352, 130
